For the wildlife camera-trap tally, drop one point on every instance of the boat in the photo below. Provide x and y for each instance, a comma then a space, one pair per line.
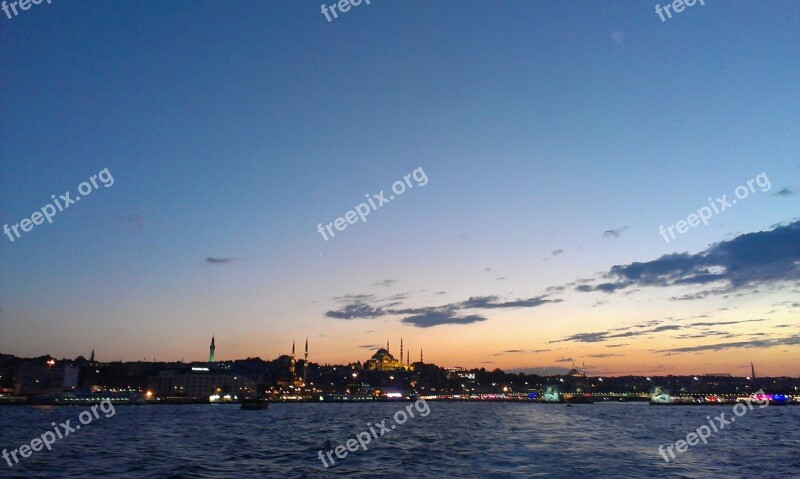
254, 403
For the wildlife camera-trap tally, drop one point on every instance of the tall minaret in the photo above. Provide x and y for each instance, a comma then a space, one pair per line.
401, 351
211, 350
305, 365
387, 345
752, 370
291, 364
420, 355
408, 358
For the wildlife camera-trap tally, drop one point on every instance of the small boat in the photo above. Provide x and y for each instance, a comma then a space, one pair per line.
255, 403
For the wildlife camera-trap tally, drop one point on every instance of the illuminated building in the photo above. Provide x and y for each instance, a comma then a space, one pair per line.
383, 360
199, 383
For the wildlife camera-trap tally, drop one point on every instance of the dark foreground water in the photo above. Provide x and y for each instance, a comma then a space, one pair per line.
453, 440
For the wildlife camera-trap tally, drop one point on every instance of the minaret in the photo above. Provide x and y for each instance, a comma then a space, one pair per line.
401, 351
752, 370
211, 350
291, 364
408, 358
420, 355
92, 358
387, 345
305, 365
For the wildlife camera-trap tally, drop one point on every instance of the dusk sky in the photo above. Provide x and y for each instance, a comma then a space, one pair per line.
555, 139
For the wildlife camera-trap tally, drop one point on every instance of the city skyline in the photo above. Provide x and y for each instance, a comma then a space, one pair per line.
563, 160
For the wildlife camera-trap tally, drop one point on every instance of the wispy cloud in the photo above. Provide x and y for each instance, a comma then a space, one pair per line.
757, 344
615, 233
220, 261
137, 221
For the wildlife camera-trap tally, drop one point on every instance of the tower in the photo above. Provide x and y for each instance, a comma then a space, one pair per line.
752, 370
305, 365
408, 358
420, 355
291, 365
401, 351
211, 350
387, 345
92, 358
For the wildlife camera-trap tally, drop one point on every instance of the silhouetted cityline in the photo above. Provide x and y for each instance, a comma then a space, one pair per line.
382, 376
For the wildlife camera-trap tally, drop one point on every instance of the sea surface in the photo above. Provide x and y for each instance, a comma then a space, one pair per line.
453, 440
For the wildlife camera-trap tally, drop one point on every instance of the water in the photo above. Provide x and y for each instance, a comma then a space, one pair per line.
454, 440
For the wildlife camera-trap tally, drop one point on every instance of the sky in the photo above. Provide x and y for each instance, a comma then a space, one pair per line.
546, 143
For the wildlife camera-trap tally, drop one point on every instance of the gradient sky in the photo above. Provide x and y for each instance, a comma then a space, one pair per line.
556, 138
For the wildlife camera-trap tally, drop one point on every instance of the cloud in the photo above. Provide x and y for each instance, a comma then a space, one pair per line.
220, 260
614, 233
626, 332
564, 360
764, 257
604, 355
557, 252
357, 298
357, 311
510, 351
432, 318
691, 297
721, 323
385, 282
491, 302
757, 344
520, 351
784, 192
367, 306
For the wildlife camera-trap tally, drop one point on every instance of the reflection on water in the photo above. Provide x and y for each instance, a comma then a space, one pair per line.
454, 440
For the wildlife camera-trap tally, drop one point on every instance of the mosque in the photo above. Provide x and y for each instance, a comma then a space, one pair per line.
383, 360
